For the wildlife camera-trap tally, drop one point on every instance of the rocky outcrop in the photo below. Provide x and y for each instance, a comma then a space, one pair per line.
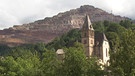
47, 29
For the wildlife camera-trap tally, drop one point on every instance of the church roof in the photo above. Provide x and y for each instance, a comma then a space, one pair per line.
99, 38
87, 23
104, 37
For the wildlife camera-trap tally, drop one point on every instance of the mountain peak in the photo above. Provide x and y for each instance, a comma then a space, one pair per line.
47, 29
87, 7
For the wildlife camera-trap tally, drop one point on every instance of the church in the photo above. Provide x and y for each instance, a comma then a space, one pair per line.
96, 44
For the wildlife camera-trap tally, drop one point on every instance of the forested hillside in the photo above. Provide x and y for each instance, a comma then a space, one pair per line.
41, 60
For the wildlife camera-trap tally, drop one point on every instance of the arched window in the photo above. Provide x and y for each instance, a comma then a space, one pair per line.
106, 52
91, 41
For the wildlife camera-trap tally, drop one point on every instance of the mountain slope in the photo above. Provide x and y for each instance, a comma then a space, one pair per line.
47, 29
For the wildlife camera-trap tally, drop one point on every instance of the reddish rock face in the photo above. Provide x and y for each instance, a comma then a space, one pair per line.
47, 29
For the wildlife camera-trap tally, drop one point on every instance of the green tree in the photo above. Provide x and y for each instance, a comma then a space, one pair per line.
114, 27
123, 59
49, 64
19, 67
8, 66
126, 23
66, 40
4, 50
99, 26
26, 61
76, 64
114, 40
29, 66
93, 68
107, 23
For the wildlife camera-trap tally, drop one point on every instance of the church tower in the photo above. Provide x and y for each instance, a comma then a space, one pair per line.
88, 37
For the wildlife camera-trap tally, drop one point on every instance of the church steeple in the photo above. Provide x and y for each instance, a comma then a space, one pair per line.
87, 24
88, 36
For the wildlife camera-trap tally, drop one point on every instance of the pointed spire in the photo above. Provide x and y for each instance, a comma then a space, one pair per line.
87, 24
104, 37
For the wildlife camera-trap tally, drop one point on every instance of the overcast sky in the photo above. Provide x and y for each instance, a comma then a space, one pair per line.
14, 12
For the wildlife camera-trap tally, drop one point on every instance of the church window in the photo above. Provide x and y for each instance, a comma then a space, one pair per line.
91, 41
85, 41
106, 52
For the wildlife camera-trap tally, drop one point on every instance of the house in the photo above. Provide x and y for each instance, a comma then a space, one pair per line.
60, 54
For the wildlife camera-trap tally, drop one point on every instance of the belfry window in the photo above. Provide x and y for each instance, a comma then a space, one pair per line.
85, 41
91, 41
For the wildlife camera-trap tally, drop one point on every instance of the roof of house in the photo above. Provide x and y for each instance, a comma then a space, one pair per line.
60, 51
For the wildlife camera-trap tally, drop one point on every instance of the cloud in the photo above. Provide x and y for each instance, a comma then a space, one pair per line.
6, 19
14, 12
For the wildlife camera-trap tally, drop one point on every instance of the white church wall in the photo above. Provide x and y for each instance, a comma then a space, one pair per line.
106, 55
